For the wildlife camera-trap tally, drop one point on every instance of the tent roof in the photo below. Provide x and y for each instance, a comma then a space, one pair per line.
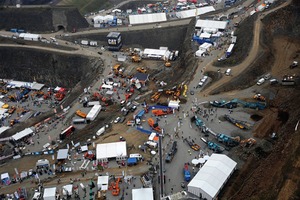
205, 35
4, 176
194, 12
142, 193
37, 86
147, 18
49, 192
213, 174
111, 150
68, 188
29, 35
103, 181
211, 24
206, 45
21, 134
3, 128
62, 154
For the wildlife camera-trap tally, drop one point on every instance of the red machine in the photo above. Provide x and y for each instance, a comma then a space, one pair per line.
154, 125
162, 112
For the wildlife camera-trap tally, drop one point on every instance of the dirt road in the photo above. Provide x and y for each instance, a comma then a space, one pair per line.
238, 69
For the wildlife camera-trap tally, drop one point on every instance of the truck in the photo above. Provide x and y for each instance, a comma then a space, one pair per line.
229, 50
186, 173
81, 114
172, 152
132, 161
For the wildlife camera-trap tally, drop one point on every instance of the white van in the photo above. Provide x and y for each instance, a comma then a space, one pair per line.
228, 72
136, 155
260, 81
151, 144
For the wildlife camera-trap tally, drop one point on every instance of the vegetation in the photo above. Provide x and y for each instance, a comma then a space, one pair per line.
87, 6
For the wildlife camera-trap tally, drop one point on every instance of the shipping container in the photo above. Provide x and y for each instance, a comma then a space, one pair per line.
93, 112
79, 121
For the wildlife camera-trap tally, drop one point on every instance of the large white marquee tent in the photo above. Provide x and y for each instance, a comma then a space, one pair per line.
211, 178
147, 18
111, 150
194, 12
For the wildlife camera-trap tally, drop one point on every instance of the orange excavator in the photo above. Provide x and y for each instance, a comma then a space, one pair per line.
115, 188
159, 112
59, 96
154, 125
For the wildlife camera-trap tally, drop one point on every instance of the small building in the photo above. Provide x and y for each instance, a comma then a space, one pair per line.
106, 151
212, 177
114, 41
102, 183
159, 54
142, 193
203, 49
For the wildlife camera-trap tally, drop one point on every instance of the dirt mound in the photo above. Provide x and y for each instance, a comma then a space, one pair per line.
44, 19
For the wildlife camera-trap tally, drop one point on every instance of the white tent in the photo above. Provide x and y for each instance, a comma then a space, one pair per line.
37, 86
205, 35
67, 190
21, 134
199, 53
62, 154
29, 36
111, 150
205, 47
147, 18
212, 177
102, 183
142, 193
211, 24
156, 53
4, 128
194, 12
49, 193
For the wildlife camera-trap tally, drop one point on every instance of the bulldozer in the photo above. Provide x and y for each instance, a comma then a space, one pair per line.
141, 69
259, 97
116, 69
248, 142
136, 59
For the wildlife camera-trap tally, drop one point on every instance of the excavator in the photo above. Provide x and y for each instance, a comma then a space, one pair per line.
2, 91
11, 110
155, 96
59, 96
136, 59
116, 69
259, 97
248, 142
159, 112
115, 188
154, 125
141, 69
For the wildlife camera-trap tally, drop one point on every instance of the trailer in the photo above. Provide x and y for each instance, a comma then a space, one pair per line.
229, 50
93, 112
79, 121
92, 103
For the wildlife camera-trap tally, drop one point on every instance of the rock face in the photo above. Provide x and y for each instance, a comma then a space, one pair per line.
49, 68
42, 19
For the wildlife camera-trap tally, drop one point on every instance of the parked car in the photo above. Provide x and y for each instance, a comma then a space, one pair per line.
260, 81
117, 120
122, 119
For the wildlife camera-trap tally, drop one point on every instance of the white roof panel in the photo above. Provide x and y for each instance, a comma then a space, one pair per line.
3, 128
194, 12
102, 182
213, 174
21, 134
147, 18
49, 193
37, 86
111, 150
62, 154
211, 24
142, 193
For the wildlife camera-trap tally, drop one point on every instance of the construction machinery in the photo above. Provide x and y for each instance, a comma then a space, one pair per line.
248, 142
169, 92
59, 96
115, 187
12, 97
116, 69
172, 152
159, 112
81, 114
155, 96
193, 145
215, 147
252, 105
37, 94
11, 110
227, 140
136, 59
90, 155
223, 104
259, 97
239, 123
14, 121
141, 69
2, 91
186, 173
167, 64
294, 64
199, 123
5, 106
154, 125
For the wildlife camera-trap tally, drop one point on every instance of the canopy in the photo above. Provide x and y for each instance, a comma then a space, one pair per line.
147, 18
142, 193
111, 150
211, 24
62, 154
194, 12
49, 193
20, 135
102, 182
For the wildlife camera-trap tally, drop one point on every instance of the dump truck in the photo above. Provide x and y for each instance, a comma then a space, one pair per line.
81, 114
